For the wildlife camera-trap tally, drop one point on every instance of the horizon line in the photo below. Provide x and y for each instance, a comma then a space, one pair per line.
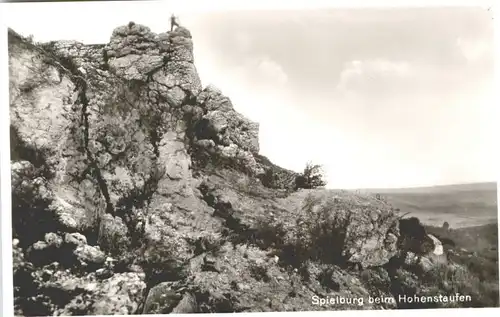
423, 186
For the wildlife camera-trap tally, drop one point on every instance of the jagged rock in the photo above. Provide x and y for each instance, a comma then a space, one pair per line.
135, 67
168, 236
438, 246
103, 273
223, 132
411, 259
89, 254
40, 245
135, 268
129, 157
83, 55
425, 264
274, 176
425, 261
365, 233
226, 123
133, 52
175, 97
390, 242
208, 145
45, 252
18, 260
41, 125
164, 298
20, 169
53, 239
137, 39
119, 294
75, 239
113, 234
186, 305
70, 213
181, 44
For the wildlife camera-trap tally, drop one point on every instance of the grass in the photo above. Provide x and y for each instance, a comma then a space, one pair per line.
477, 238
475, 251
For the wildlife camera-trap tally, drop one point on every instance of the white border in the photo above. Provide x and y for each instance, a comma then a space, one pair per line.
7, 296
203, 5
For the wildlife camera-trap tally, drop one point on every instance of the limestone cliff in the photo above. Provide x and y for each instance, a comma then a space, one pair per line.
137, 190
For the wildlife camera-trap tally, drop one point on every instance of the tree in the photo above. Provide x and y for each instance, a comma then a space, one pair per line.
312, 177
446, 226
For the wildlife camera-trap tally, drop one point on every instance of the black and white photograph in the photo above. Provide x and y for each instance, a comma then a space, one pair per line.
201, 157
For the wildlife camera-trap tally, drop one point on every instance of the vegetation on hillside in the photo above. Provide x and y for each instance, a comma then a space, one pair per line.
311, 177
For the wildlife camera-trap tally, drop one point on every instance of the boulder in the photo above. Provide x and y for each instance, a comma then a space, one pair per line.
118, 294
362, 231
89, 254
229, 126
53, 239
113, 234
162, 299
75, 239
438, 246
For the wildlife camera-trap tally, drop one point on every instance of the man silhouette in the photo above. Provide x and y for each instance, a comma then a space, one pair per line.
173, 22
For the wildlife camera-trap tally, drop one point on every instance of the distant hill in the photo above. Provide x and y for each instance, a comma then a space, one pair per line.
461, 205
490, 186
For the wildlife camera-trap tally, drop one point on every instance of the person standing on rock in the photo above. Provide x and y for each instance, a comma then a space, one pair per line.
173, 22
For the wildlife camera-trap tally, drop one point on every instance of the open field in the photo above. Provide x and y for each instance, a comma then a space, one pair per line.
460, 205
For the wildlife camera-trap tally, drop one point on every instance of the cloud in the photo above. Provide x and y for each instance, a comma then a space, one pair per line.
259, 73
272, 71
473, 49
361, 74
372, 92
388, 80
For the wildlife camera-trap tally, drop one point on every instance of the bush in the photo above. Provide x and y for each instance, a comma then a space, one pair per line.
312, 177
460, 279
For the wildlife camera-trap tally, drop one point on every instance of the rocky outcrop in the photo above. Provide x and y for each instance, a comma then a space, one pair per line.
359, 230
228, 127
225, 136
274, 176
137, 190
438, 245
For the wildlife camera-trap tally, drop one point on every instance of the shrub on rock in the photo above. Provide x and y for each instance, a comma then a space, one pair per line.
341, 232
312, 177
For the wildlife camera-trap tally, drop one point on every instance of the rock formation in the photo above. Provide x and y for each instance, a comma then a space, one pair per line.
137, 190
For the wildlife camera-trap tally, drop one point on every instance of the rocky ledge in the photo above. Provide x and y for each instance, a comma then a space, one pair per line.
137, 190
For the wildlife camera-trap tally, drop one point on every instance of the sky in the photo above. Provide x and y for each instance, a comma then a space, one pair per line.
382, 97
